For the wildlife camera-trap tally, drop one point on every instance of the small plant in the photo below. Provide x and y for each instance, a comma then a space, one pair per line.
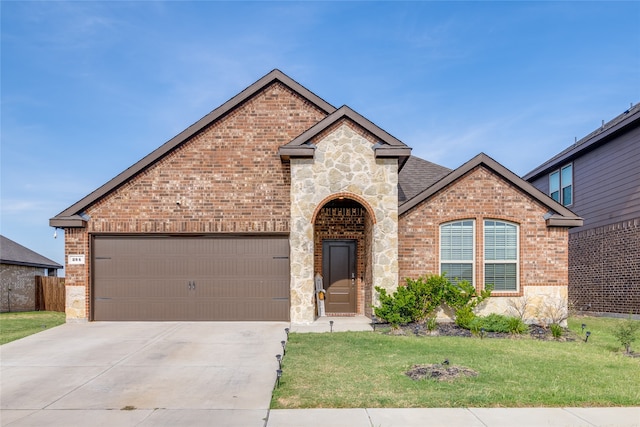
627, 333
516, 326
431, 324
556, 310
463, 298
498, 323
556, 330
464, 317
519, 306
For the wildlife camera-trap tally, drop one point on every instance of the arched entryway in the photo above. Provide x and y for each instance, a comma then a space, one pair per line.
343, 230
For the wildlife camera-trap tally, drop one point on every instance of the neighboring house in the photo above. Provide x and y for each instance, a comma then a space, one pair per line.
598, 178
18, 268
235, 217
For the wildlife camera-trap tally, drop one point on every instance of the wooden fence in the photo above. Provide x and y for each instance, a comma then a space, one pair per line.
50, 293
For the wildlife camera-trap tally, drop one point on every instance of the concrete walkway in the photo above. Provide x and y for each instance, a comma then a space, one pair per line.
141, 374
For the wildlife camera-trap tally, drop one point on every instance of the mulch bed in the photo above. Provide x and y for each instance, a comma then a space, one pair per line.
439, 372
453, 330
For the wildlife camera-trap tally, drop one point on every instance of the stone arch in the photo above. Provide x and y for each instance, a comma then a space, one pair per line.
344, 195
345, 219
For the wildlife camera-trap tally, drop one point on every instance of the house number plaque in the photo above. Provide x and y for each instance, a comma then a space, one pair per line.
76, 259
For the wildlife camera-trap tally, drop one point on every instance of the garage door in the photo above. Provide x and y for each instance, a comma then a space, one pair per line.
190, 278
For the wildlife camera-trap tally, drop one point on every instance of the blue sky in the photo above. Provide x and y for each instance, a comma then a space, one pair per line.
89, 88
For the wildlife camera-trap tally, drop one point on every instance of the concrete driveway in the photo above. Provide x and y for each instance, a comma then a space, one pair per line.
142, 374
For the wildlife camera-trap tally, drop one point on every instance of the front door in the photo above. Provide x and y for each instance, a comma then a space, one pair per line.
339, 275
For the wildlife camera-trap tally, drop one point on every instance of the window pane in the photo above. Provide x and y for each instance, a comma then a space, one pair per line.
554, 182
556, 196
458, 272
500, 241
456, 241
502, 276
567, 195
567, 175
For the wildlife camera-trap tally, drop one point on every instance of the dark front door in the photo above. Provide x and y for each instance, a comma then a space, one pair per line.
339, 275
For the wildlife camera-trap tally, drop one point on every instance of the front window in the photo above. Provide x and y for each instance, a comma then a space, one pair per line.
456, 250
501, 255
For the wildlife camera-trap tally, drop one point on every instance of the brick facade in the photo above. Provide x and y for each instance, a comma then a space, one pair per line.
272, 161
604, 268
228, 178
480, 195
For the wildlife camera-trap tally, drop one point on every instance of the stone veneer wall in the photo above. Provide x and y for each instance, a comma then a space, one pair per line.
604, 268
343, 164
21, 280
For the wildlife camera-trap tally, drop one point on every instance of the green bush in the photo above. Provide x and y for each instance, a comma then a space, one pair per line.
414, 302
464, 317
517, 326
498, 323
462, 297
419, 298
398, 308
627, 333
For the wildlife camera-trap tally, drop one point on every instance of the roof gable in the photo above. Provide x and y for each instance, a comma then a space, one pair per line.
559, 215
623, 123
388, 145
71, 217
16, 254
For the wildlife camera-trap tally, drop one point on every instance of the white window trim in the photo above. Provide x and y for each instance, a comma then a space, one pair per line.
517, 260
473, 260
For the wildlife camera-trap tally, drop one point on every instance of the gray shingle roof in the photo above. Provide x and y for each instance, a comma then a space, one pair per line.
16, 254
416, 176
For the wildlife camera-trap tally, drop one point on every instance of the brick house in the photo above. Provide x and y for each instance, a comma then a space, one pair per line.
236, 217
598, 178
19, 267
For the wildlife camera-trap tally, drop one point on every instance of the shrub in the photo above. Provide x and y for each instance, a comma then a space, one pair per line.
517, 326
498, 323
429, 291
414, 302
556, 330
462, 297
626, 333
464, 317
397, 309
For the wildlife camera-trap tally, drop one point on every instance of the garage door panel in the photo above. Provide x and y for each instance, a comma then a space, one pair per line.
185, 278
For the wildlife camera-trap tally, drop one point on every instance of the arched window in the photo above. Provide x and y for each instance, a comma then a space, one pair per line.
501, 255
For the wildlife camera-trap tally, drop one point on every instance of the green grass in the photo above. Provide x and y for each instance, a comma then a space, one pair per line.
14, 326
364, 370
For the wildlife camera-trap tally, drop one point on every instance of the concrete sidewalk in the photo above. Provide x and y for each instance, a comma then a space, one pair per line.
456, 417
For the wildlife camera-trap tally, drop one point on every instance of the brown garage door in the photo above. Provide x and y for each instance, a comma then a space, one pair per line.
190, 278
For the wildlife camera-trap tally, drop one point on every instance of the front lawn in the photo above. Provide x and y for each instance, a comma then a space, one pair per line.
14, 326
367, 370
